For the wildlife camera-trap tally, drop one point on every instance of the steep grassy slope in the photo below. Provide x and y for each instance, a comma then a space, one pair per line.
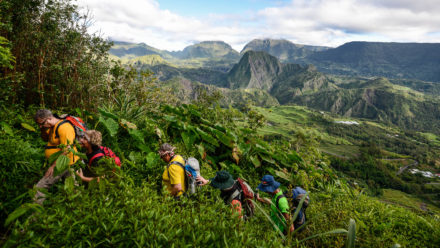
255, 70
126, 209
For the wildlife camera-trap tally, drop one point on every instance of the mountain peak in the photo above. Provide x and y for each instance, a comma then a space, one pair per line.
283, 49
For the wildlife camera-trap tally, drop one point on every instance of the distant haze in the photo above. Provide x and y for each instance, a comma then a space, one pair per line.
172, 25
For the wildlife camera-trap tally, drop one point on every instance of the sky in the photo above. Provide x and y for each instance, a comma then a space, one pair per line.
174, 24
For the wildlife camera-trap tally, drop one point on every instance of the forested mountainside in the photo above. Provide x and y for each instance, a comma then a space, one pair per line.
394, 60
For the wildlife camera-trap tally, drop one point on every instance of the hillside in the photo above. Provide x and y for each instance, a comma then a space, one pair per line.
188, 91
284, 50
127, 50
394, 60
255, 70
208, 49
378, 99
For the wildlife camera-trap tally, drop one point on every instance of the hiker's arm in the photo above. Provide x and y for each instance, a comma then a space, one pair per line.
202, 180
287, 217
263, 200
85, 179
50, 170
176, 189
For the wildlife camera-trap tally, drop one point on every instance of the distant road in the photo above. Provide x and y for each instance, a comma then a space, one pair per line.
402, 169
334, 154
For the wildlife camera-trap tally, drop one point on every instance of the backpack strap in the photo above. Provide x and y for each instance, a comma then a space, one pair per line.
234, 194
56, 129
98, 155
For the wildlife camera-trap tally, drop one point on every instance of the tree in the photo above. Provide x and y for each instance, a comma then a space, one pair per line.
58, 63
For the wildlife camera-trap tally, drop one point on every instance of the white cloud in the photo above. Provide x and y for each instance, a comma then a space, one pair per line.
315, 22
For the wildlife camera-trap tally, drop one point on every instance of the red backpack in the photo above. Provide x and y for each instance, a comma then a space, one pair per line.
107, 152
78, 124
248, 196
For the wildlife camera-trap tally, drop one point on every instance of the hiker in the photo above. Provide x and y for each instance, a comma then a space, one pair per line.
91, 140
57, 134
235, 192
279, 213
174, 175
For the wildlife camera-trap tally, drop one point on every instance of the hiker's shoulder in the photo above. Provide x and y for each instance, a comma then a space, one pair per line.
179, 159
64, 126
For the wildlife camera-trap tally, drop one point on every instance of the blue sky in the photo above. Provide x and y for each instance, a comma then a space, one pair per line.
172, 25
200, 8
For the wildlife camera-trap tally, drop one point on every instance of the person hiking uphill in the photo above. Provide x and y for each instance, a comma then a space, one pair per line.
56, 134
279, 213
173, 176
91, 140
235, 192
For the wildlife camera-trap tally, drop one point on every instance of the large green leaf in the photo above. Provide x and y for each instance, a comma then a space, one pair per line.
137, 135
22, 210
267, 159
170, 118
351, 236
188, 138
244, 148
194, 112
61, 165
54, 157
170, 109
220, 127
294, 157
110, 124
28, 127
7, 128
206, 137
108, 114
255, 161
283, 175
152, 159
226, 140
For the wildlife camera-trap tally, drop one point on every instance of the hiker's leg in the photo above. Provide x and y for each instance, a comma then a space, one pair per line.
46, 183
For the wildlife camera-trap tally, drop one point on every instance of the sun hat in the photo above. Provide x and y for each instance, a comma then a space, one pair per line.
166, 149
222, 180
268, 184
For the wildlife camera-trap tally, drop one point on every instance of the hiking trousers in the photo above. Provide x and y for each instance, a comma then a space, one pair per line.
46, 183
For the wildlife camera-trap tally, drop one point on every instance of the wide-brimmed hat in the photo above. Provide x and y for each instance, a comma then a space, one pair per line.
268, 184
222, 180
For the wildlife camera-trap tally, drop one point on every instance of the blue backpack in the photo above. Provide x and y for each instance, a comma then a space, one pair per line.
297, 194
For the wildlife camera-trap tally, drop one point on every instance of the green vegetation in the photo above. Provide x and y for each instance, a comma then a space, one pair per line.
407, 201
58, 65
